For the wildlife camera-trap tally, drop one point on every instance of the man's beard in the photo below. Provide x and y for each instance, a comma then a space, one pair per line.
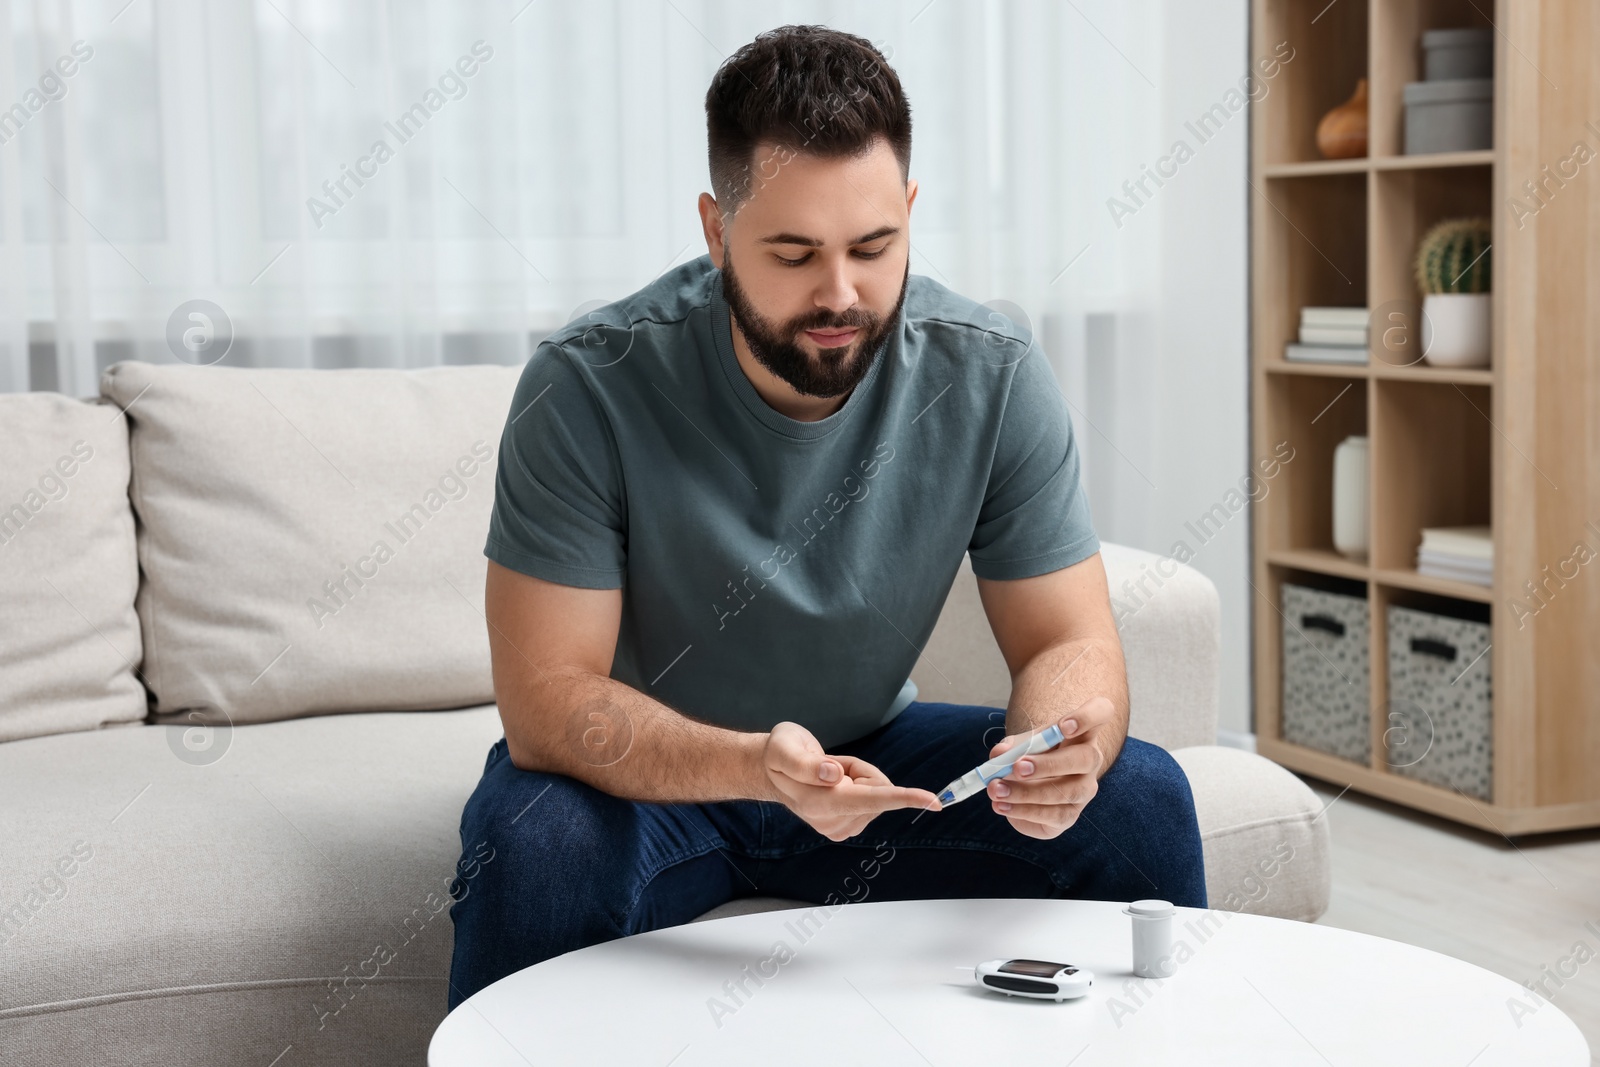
835, 371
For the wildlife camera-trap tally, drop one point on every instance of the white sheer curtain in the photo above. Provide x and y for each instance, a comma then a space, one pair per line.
185, 158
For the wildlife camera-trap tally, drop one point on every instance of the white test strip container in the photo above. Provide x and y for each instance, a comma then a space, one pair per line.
1152, 937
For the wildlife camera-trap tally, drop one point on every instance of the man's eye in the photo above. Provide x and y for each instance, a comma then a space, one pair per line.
793, 262
873, 255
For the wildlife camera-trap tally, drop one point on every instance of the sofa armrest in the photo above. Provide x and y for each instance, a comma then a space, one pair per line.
1170, 635
1170, 620
1266, 842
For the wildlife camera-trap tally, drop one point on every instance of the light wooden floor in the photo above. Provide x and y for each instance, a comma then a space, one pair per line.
1510, 908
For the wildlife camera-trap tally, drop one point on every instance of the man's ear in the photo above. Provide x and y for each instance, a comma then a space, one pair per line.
911, 193
711, 224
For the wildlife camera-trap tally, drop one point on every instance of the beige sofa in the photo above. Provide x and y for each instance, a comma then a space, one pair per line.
228, 800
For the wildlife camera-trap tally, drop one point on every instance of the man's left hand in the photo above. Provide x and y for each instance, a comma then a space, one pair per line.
1046, 791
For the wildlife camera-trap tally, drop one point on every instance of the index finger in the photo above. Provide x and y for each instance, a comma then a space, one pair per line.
884, 797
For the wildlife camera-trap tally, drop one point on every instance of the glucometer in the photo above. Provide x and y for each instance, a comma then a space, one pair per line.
1039, 979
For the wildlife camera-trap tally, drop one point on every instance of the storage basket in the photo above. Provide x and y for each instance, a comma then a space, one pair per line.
1438, 716
1326, 703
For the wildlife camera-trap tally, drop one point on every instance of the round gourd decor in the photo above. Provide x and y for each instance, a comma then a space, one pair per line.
1342, 133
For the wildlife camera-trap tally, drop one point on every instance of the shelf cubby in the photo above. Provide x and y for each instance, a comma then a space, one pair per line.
1310, 414
1305, 225
1329, 56
1430, 444
1397, 59
1405, 203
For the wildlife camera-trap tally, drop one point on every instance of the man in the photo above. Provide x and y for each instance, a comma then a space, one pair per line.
728, 510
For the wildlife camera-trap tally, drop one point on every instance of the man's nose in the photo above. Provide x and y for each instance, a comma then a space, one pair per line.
837, 292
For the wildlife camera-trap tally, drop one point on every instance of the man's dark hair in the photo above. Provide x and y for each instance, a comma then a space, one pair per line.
809, 89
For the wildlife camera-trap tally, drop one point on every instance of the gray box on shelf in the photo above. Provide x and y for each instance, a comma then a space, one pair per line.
1451, 54
1438, 715
1449, 116
1326, 703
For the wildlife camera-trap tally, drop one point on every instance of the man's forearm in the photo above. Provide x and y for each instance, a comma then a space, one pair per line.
617, 739
1064, 676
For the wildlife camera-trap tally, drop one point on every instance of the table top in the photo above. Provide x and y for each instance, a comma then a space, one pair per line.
879, 982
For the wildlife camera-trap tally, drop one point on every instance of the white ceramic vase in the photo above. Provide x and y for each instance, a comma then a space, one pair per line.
1455, 329
1350, 497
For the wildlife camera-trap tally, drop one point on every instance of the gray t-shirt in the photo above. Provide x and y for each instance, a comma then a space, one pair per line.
774, 569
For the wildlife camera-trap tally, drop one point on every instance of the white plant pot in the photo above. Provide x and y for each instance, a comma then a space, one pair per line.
1455, 329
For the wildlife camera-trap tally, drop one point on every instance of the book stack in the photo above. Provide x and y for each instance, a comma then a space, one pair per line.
1330, 335
1461, 553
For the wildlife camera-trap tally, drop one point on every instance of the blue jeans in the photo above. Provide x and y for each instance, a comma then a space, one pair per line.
551, 864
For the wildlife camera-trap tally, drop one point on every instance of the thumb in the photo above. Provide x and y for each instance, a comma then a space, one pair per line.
800, 756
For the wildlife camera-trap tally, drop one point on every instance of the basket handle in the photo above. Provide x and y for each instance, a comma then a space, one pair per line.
1429, 646
1322, 622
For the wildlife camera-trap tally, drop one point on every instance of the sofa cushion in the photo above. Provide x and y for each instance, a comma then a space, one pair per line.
69, 638
1265, 836
292, 891
312, 540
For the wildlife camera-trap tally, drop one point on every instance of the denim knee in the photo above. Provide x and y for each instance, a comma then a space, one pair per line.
1137, 838
1146, 806
1150, 772
545, 868
551, 834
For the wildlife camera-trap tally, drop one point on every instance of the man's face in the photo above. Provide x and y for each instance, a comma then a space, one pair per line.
815, 264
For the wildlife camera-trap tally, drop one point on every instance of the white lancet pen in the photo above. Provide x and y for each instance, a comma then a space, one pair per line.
977, 780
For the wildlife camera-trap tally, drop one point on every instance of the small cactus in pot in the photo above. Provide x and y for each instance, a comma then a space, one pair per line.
1452, 270
1453, 257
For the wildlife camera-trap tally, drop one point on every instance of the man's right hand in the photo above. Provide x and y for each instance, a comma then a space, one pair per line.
836, 795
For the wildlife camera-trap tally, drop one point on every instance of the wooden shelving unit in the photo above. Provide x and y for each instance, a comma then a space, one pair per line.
1516, 446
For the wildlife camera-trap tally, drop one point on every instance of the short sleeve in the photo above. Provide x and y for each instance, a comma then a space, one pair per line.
559, 512
1035, 515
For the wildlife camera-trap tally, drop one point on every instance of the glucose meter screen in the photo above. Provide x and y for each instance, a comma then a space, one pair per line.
1034, 968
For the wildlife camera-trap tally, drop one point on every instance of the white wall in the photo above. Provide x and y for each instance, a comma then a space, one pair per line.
1204, 336
1165, 381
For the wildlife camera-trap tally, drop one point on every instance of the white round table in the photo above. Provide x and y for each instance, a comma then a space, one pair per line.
879, 983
